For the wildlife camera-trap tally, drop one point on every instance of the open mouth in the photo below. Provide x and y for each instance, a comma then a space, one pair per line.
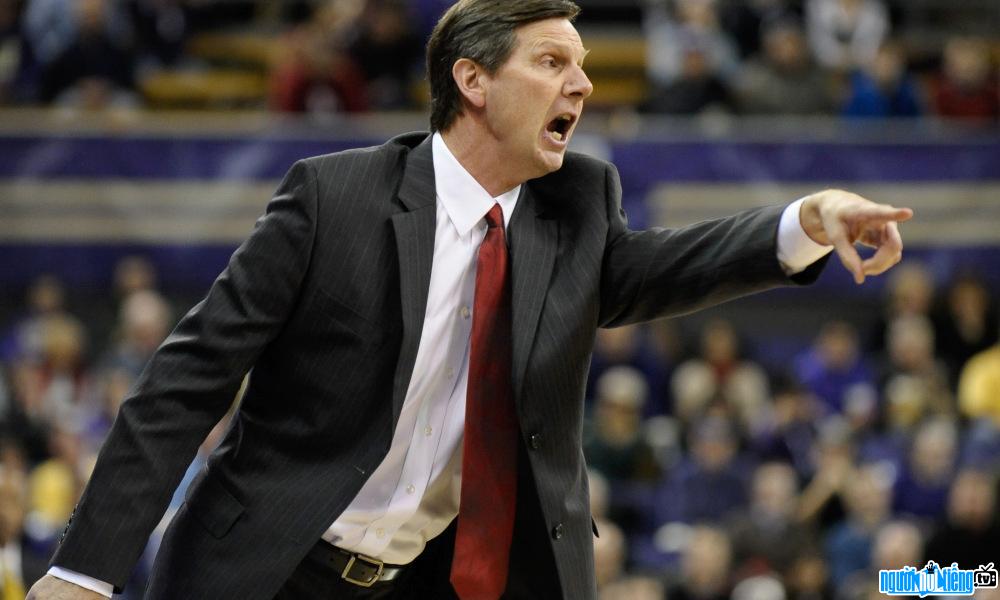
559, 127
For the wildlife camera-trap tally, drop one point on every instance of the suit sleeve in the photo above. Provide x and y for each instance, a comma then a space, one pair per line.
667, 272
189, 384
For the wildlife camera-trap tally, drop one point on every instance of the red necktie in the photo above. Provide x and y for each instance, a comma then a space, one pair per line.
489, 451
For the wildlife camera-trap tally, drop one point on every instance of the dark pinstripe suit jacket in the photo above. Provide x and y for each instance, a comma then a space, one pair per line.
325, 303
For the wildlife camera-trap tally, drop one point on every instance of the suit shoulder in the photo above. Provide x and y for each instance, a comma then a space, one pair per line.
578, 170
368, 162
578, 164
578, 160
580, 186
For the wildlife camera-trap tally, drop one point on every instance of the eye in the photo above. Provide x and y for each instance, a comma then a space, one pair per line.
550, 61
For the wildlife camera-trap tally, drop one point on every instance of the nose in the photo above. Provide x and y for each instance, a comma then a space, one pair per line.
578, 84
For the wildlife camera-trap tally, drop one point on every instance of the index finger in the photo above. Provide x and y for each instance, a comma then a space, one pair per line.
886, 213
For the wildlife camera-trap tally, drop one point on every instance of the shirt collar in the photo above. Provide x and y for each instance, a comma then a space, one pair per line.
465, 201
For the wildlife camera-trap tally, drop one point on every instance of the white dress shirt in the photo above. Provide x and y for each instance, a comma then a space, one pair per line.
393, 515
414, 493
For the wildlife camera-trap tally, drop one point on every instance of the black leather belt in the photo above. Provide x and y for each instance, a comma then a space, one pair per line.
358, 569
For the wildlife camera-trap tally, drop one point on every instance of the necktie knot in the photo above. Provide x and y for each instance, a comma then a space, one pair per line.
494, 218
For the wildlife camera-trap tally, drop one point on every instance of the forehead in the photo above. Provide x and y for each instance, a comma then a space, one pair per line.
554, 32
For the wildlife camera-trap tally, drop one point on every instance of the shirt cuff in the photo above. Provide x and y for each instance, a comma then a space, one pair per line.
94, 585
796, 250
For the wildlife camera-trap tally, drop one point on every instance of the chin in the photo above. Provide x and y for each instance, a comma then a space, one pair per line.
550, 162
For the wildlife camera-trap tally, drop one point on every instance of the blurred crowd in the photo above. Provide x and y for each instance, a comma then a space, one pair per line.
715, 472
341, 55
816, 57
854, 58
876, 447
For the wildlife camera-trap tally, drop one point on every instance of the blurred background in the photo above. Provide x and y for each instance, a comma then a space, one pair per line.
788, 445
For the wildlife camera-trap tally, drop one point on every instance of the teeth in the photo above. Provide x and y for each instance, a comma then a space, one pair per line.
557, 136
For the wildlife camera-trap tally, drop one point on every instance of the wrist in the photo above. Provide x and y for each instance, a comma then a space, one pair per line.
811, 220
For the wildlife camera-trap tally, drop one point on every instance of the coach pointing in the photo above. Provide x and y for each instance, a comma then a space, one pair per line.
419, 318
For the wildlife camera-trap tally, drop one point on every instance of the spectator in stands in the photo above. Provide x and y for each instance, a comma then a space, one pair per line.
909, 292
757, 587
968, 532
109, 386
784, 80
144, 322
965, 325
897, 544
882, 88
50, 27
315, 73
55, 386
706, 567
849, 542
45, 297
979, 387
55, 483
834, 366
822, 499
845, 34
21, 561
921, 488
809, 577
766, 536
634, 346
792, 429
746, 21
25, 429
907, 401
710, 483
161, 28
383, 49
696, 89
133, 274
967, 85
614, 445
95, 69
722, 376
910, 353
670, 35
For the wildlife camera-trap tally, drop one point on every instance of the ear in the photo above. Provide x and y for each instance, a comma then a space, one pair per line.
471, 80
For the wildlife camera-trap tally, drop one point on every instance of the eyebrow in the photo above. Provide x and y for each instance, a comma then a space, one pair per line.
541, 45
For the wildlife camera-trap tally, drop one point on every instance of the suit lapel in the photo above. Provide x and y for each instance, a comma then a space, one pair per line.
533, 239
533, 243
414, 230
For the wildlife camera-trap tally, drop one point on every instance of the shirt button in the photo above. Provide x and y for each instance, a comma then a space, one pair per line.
380, 533
465, 312
410, 489
428, 430
450, 373
535, 441
557, 531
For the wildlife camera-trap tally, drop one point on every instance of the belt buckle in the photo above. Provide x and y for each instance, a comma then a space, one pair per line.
373, 562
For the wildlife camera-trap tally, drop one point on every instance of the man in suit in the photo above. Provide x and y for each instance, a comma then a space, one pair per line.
419, 318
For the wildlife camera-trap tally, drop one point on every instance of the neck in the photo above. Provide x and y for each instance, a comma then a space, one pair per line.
479, 153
